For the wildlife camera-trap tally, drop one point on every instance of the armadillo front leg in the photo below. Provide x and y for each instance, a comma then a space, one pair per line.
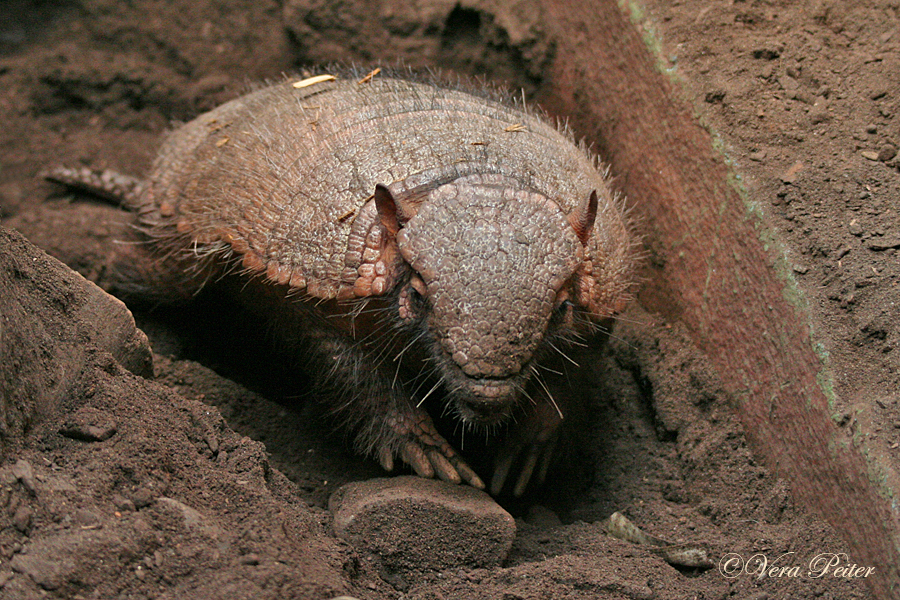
424, 449
385, 419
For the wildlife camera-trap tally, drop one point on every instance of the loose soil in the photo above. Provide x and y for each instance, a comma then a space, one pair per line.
216, 481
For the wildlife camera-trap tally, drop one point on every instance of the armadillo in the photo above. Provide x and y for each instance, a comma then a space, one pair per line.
412, 241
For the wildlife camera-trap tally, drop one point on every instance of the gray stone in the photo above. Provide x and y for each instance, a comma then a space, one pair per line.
422, 524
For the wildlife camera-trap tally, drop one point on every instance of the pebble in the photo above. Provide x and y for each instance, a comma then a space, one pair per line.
86, 518
757, 156
25, 474
89, 425
422, 524
790, 176
788, 83
123, 504
883, 243
142, 497
195, 520
869, 154
886, 153
88, 433
22, 519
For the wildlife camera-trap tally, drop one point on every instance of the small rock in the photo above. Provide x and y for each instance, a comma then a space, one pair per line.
819, 112
7, 477
142, 497
195, 520
886, 153
422, 524
757, 156
790, 176
88, 433
86, 518
788, 83
855, 228
883, 243
123, 504
869, 154
871, 128
251, 559
25, 474
22, 519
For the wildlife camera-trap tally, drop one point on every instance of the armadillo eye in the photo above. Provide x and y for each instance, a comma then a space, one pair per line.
563, 311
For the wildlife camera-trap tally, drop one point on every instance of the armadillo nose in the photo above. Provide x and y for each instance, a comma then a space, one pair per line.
489, 400
492, 390
485, 412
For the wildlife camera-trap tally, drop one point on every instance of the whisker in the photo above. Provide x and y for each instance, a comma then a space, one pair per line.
425, 397
549, 370
540, 380
563, 354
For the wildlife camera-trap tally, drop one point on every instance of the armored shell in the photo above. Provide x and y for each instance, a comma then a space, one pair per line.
284, 176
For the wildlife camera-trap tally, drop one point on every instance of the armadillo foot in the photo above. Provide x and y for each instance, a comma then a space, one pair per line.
426, 451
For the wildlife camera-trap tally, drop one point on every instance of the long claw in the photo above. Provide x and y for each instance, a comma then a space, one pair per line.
501, 471
468, 475
544, 465
442, 467
527, 470
385, 459
413, 455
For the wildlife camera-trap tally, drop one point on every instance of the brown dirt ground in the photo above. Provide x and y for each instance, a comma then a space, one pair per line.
803, 98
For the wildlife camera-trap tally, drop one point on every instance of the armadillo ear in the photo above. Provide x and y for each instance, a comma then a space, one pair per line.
392, 210
372, 264
582, 218
387, 209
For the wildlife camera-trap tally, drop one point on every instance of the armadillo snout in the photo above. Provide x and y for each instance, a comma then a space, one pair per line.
486, 401
484, 390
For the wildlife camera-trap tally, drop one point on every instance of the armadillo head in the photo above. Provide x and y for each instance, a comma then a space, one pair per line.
492, 267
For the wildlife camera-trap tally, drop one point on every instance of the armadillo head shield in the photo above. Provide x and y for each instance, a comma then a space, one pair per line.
493, 259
